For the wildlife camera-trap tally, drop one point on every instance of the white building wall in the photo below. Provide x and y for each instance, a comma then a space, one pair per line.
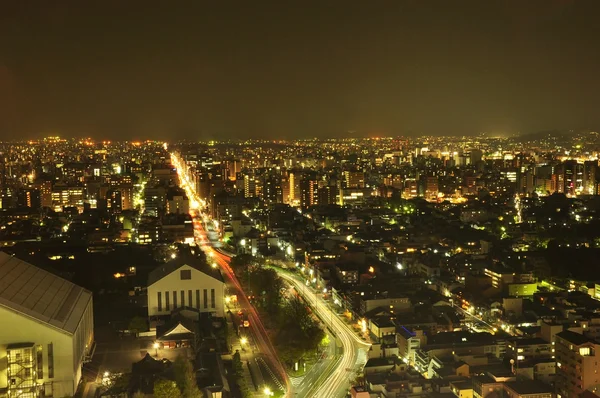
83, 339
17, 328
173, 283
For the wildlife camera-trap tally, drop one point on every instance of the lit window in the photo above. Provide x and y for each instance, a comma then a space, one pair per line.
584, 351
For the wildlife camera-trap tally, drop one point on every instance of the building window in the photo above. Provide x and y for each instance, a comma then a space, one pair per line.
185, 274
167, 304
205, 298
174, 299
50, 361
40, 362
160, 301
584, 351
183, 298
198, 299
190, 302
212, 298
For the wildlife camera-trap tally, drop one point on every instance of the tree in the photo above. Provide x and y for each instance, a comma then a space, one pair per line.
138, 324
298, 325
166, 389
266, 285
139, 394
185, 378
237, 365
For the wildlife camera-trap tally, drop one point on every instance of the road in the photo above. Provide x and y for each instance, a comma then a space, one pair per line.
354, 348
260, 335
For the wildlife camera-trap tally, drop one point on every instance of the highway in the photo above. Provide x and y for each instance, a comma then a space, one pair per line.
329, 379
260, 335
354, 348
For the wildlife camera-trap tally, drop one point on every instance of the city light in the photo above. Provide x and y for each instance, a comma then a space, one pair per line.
363, 325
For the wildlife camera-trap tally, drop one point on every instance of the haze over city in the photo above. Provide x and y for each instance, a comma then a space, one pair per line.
272, 69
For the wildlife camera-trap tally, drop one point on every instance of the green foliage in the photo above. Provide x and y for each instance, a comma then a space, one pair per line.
166, 389
242, 262
138, 324
266, 285
237, 365
298, 326
185, 378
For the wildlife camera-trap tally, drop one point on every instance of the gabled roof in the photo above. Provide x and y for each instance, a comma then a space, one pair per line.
38, 294
186, 259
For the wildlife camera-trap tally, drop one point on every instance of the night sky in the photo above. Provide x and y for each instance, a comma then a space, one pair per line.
294, 69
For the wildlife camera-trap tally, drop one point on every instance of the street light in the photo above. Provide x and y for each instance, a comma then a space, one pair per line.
156, 345
243, 341
268, 392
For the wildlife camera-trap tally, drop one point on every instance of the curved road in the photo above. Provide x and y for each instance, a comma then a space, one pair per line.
355, 349
262, 338
336, 383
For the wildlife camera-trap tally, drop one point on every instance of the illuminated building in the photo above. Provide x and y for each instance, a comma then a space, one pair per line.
354, 179
47, 331
67, 196
185, 282
577, 359
308, 192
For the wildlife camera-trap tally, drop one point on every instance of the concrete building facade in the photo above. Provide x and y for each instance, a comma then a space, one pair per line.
47, 331
185, 281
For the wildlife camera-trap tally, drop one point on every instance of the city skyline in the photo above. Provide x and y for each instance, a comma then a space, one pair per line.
284, 71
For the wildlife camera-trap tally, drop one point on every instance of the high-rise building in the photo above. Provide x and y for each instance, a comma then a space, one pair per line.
46, 193
577, 358
249, 186
354, 179
308, 192
29, 197
327, 195
294, 196
590, 177
572, 177
431, 187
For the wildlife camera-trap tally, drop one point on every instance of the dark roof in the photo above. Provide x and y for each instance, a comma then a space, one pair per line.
530, 341
148, 365
178, 262
529, 387
38, 294
575, 338
462, 384
587, 394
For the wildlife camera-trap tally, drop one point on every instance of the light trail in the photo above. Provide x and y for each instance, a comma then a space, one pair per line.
337, 383
260, 333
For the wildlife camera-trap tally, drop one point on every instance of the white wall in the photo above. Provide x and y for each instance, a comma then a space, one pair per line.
173, 282
18, 328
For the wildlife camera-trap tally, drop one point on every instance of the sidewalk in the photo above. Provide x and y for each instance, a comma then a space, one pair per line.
245, 356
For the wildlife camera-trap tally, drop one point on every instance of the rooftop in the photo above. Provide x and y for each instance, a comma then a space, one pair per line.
185, 259
41, 295
575, 338
529, 387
